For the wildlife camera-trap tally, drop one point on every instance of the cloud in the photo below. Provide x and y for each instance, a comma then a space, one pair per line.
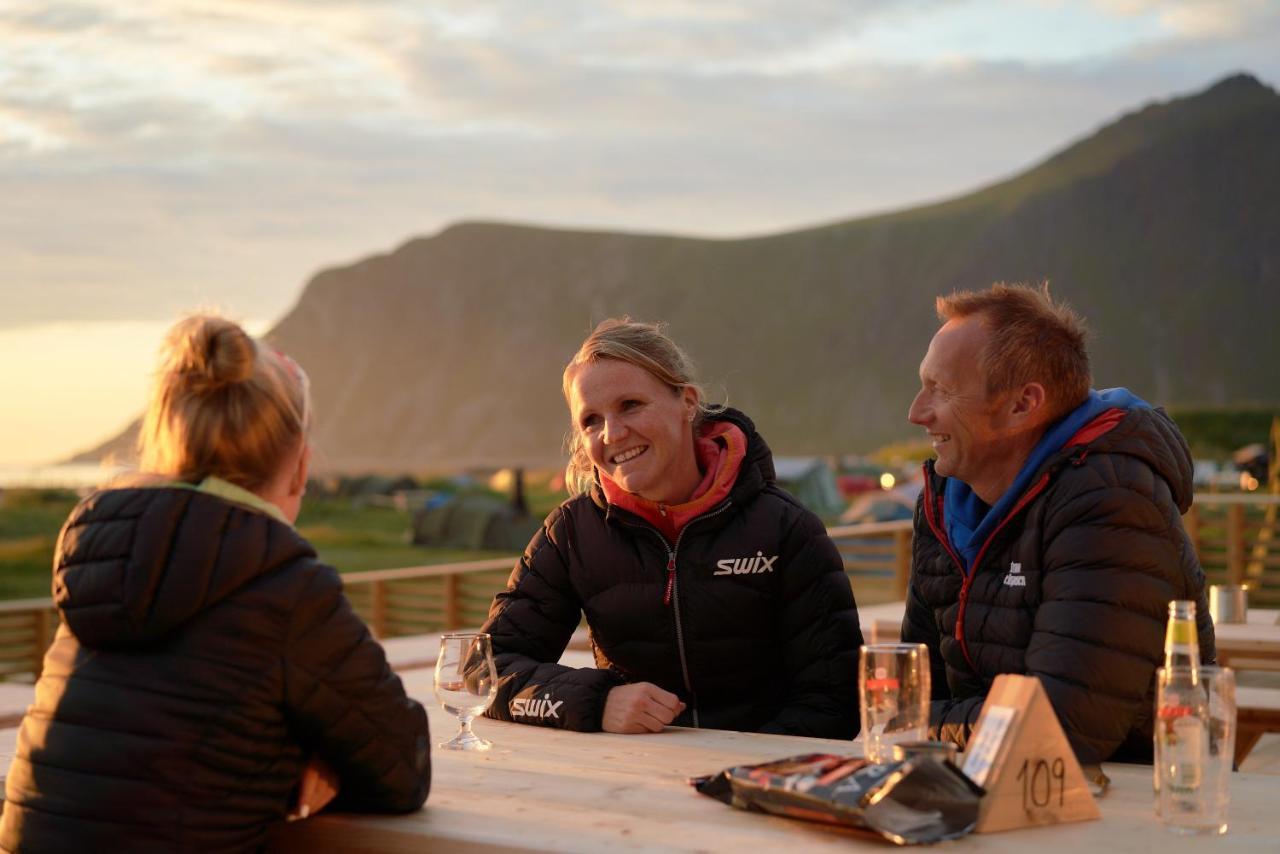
171, 153
1196, 18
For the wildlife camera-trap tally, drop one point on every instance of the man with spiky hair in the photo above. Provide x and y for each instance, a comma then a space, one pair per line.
1048, 536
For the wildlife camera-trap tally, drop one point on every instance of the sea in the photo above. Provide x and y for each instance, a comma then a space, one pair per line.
79, 476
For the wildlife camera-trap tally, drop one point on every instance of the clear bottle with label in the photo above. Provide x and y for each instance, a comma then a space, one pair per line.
1181, 714
1181, 643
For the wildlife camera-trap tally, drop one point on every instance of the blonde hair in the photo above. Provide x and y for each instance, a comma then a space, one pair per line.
1032, 339
223, 405
645, 345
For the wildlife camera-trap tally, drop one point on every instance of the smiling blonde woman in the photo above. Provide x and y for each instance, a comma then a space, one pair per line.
714, 599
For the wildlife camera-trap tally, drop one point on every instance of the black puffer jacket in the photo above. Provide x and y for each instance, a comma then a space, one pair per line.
1073, 588
204, 655
770, 646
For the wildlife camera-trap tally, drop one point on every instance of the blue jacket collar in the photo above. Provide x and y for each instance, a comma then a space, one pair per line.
969, 521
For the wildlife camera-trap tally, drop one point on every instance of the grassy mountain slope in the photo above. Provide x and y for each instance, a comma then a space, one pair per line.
1161, 228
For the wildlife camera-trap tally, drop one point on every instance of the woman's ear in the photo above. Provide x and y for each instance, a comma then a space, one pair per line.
298, 482
690, 399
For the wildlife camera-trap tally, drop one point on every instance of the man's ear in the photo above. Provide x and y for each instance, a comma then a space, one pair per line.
1029, 402
298, 482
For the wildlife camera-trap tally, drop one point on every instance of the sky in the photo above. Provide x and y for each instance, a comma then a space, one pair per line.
160, 156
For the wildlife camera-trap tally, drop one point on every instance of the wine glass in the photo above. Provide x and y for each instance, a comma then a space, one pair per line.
466, 683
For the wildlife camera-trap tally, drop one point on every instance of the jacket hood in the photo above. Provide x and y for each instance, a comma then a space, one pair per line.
757, 470
133, 565
1150, 435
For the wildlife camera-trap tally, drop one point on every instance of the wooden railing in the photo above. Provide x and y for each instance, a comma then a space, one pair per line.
1235, 535
26, 629
440, 597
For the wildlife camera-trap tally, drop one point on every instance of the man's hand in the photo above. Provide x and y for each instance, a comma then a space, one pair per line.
640, 707
318, 786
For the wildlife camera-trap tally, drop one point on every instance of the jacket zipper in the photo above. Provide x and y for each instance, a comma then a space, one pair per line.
672, 595
935, 526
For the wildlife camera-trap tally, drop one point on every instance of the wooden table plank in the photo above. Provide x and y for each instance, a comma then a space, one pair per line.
1252, 645
551, 790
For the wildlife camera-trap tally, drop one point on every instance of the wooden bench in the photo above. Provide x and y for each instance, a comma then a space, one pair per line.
15, 697
1257, 712
415, 652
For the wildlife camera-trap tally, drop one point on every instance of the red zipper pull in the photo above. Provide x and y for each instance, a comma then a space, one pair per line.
671, 581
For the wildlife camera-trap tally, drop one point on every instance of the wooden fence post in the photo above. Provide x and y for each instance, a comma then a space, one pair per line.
1235, 543
42, 641
452, 605
378, 609
901, 562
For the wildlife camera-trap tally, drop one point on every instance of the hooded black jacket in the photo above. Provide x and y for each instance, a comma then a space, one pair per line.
1101, 548
770, 646
204, 655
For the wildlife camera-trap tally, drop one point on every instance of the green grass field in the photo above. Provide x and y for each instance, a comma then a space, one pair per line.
350, 537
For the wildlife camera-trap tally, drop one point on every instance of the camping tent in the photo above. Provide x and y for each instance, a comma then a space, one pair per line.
811, 481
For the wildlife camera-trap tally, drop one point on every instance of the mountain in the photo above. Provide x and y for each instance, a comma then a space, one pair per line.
1161, 228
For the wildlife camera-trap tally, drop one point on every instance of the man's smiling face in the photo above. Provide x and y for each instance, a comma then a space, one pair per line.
953, 405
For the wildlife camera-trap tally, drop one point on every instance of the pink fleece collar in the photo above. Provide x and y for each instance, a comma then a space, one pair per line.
720, 449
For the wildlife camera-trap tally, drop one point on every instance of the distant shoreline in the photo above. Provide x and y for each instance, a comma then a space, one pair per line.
57, 475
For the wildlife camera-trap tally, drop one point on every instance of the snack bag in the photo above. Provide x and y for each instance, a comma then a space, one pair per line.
918, 800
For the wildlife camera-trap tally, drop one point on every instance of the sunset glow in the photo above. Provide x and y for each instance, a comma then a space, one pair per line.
169, 155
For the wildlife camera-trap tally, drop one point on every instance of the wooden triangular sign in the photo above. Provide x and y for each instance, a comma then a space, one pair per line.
1021, 756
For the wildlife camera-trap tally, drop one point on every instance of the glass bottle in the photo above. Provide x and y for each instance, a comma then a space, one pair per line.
1181, 643
1181, 719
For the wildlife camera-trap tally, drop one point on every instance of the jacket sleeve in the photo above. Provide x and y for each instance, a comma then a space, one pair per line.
919, 623
344, 702
954, 720
820, 636
530, 623
1113, 554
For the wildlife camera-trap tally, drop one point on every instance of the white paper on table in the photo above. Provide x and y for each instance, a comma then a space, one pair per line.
982, 752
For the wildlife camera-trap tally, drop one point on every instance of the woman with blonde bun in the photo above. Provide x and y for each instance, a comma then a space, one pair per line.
713, 597
209, 677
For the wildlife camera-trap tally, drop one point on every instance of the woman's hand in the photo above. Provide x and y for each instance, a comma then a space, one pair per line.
318, 786
639, 707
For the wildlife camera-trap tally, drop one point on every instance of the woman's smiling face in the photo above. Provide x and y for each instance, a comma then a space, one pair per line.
636, 429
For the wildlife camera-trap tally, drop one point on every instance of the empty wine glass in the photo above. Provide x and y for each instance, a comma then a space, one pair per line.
466, 683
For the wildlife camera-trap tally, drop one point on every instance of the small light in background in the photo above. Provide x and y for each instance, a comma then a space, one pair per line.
887, 481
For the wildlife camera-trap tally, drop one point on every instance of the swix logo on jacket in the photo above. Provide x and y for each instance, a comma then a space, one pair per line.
745, 565
535, 707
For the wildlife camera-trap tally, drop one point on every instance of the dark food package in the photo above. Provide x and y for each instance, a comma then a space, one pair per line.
915, 801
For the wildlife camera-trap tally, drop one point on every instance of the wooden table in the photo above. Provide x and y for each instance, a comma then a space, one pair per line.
549, 790
1253, 645
882, 623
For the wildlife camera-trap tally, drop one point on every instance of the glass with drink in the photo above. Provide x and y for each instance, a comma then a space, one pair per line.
894, 691
1195, 746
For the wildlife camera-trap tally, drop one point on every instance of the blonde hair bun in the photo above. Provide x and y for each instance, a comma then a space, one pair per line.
212, 352
222, 405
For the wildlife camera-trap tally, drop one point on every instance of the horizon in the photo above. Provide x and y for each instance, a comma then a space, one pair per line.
313, 137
